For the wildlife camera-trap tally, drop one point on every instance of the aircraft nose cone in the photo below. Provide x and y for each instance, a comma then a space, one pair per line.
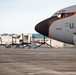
43, 27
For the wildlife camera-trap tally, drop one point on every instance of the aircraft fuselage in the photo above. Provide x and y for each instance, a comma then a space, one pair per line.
63, 29
61, 26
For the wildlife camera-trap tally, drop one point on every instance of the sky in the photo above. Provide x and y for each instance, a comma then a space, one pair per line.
21, 16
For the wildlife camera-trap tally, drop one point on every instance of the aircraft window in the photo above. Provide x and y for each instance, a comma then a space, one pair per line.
67, 15
62, 15
57, 15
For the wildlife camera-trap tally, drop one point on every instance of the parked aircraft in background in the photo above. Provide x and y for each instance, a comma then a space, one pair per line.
60, 26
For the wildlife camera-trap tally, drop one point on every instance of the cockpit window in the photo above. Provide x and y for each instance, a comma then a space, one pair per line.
57, 15
67, 15
62, 15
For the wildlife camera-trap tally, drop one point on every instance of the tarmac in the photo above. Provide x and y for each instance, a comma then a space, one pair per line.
40, 61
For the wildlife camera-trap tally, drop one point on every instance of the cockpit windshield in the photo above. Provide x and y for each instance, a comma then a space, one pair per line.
57, 15
62, 15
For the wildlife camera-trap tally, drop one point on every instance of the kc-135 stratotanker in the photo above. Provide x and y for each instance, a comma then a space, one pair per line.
60, 26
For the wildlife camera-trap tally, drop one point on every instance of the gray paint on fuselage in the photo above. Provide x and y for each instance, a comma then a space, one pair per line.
68, 9
66, 33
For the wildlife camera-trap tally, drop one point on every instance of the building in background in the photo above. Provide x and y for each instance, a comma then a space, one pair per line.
15, 38
5, 39
56, 44
41, 38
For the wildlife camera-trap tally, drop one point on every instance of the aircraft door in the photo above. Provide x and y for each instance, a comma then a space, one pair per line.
74, 38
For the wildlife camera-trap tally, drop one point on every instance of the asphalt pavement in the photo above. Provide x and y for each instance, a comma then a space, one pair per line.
40, 61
